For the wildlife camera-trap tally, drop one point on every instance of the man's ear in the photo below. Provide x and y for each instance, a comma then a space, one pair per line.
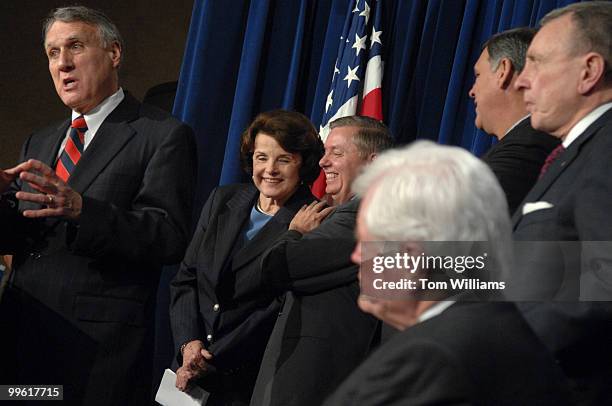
504, 73
593, 70
372, 157
114, 52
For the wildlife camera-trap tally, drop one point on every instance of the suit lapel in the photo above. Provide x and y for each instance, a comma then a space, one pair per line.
229, 224
273, 228
52, 144
264, 238
111, 137
558, 166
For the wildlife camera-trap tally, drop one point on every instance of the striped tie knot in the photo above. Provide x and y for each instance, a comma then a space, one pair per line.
72, 150
80, 124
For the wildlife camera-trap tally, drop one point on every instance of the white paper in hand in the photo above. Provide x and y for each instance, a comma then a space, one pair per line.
169, 395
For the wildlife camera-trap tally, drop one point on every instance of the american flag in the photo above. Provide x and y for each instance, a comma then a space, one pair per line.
358, 71
356, 83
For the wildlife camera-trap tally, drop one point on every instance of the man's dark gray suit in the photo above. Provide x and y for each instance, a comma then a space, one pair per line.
80, 304
578, 188
321, 335
471, 354
517, 158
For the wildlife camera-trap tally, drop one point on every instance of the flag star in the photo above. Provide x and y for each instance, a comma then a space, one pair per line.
375, 37
329, 101
351, 75
359, 43
366, 13
356, 9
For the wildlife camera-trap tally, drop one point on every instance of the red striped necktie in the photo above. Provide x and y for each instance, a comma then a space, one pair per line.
72, 151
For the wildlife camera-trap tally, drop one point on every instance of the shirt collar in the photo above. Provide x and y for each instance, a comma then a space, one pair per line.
517, 123
435, 310
95, 117
585, 122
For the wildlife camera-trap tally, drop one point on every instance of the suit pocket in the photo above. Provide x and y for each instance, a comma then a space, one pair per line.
109, 309
539, 216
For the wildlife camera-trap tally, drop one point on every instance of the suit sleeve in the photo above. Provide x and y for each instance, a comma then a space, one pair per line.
155, 229
184, 305
316, 261
422, 373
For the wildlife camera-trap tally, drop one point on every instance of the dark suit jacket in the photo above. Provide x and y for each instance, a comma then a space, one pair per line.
212, 297
517, 158
578, 187
470, 354
80, 303
321, 334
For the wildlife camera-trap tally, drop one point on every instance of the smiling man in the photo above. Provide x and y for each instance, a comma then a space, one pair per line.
567, 86
98, 203
500, 111
320, 335
346, 152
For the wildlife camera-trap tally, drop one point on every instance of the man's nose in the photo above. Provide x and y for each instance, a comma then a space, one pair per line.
522, 81
324, 161
65, 61
471, 93
356, 254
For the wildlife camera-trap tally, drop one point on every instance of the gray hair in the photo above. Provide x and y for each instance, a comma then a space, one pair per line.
429, 192
511, 44
107, 30
372, 136
593, 22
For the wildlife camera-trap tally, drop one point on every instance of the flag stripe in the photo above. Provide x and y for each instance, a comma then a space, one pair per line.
372, 104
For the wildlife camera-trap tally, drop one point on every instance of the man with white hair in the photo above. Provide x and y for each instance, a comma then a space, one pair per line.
451, 351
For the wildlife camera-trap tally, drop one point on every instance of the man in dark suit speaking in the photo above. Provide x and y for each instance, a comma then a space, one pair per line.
500, 111
567, 85
90, 215
457, 350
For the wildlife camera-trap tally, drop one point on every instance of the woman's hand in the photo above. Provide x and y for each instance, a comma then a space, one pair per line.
195, 364
310, 216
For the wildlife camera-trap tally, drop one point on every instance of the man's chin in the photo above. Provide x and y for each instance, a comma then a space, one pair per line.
70, 101
331, 191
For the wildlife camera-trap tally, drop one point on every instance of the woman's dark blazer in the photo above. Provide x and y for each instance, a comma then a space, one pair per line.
212, 295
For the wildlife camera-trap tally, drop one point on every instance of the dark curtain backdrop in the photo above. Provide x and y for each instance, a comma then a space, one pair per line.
243, 57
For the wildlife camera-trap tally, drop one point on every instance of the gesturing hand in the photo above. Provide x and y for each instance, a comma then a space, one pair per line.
59, 199
6, 177
309, 217
195, 364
